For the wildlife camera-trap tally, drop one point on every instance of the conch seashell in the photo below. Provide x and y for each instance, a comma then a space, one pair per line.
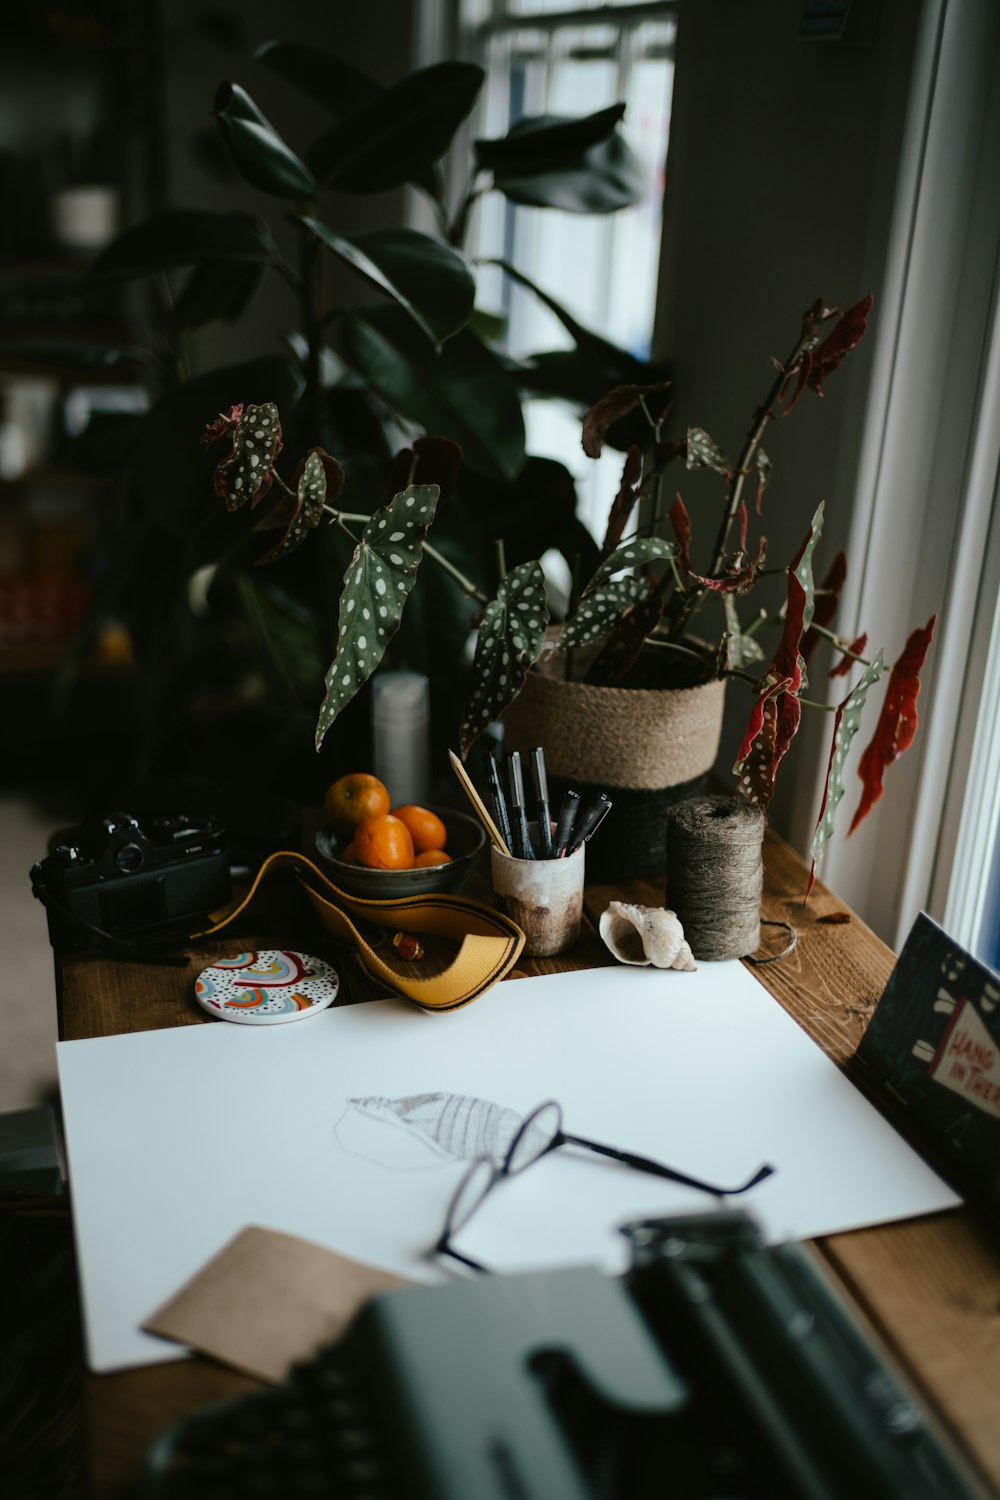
645, 935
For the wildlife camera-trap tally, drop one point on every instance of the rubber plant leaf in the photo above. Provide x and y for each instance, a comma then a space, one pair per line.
377, 584
329, 80
846, 724
217, 290
510, 639
602, 179
835, 348
464, 393
897, 723
426, 277
617, 403
624, 502
259, 154
544, 143
186, 237
400, 133
703, 452
254, 435
318, 481
430, 460
599, 612
626, 641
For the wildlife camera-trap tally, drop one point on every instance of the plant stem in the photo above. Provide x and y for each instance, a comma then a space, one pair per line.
684, 651
311, 290
829, 635
501, 559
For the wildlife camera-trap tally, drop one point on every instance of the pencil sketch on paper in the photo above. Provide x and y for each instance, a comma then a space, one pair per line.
426, 1130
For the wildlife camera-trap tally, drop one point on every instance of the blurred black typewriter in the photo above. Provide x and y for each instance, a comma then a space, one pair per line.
716, 1369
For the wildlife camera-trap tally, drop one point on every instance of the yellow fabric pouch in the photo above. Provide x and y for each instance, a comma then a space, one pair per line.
488, 942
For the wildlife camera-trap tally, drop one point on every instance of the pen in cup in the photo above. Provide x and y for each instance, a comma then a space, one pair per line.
564, 823
589, 820
522, 840
542, 802
498, 799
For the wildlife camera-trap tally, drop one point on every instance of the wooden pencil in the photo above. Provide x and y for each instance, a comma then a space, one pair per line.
478, 804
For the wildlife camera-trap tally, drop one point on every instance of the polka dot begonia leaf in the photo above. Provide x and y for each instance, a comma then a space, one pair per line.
631, 555
510, 640
600, 611
377, 584
246, 473
308, 510
740, 650
703, 452
846, 724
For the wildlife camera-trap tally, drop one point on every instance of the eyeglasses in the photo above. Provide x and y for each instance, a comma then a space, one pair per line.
538, 1134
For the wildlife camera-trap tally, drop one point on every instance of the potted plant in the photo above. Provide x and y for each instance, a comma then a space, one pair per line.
637, 628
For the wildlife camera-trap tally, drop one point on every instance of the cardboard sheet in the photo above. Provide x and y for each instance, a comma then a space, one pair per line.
179, 1139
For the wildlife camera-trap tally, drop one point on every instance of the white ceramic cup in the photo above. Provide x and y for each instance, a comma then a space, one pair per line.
543, 896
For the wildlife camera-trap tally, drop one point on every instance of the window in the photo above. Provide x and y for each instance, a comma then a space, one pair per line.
542, 58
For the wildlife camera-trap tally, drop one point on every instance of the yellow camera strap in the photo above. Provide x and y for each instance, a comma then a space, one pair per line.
488, 942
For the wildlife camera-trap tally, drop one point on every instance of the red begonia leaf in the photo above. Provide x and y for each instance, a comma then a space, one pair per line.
837, 345
624, 501
681, 522
846, 662
744, 523
897, 723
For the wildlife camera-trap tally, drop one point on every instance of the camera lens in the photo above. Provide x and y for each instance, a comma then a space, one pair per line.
128, 858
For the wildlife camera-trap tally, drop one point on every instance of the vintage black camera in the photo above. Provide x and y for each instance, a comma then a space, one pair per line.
111, 881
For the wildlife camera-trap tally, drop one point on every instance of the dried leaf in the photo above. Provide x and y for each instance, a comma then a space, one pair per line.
510, 639
741, 573
845, 726
835, 348
835, 918
245, 473
307, 511
610, 408
377, 584
624, 502
897, 723
703, 452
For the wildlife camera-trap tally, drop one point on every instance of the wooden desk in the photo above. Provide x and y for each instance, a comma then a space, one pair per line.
929, 1287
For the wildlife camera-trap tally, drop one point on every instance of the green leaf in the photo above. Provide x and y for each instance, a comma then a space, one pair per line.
329, 80
217, 290
245, 473
510, 639
703, 452
397, 136
846, 724
763, 470
186, 237
602, 180
803, 571
307, 509
463, 393
600, 610
740, 650
377, 584
632, 555
545, 143
430, 279
259, 154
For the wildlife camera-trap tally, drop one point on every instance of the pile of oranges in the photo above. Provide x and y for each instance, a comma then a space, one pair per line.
377, 835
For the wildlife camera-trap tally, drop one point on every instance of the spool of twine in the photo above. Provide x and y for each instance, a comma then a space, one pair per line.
715, 874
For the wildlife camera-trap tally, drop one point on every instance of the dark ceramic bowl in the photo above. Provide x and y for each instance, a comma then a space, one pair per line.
466, 838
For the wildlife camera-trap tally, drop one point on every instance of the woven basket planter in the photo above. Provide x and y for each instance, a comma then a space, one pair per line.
646, 747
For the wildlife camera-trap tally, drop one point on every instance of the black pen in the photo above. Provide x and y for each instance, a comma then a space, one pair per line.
498, 799
589, 820
564, 822
542, 801
523, 838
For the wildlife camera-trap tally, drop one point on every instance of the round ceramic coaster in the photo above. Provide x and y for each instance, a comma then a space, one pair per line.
266, 987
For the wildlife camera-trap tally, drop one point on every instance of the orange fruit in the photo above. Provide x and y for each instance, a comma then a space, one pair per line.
431, 857
426, 829
347, 855
384, 843
352, 799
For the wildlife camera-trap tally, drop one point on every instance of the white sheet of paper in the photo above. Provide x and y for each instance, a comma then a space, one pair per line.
179, 1138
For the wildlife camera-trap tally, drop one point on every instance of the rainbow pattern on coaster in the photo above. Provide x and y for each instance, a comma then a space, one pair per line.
262, 988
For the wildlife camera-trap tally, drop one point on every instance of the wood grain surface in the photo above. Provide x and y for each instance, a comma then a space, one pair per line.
930, 1288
